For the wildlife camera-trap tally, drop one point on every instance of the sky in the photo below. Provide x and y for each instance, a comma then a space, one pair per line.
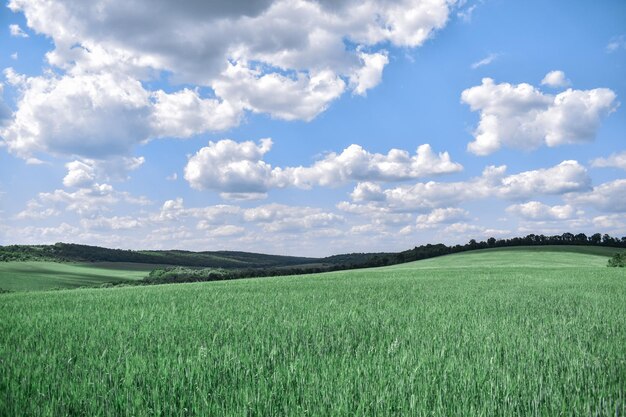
310, 127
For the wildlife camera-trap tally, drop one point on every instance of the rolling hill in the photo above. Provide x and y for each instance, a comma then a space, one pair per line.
494, 332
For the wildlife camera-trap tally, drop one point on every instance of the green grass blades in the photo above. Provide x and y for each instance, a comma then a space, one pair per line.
480, 341
34, 275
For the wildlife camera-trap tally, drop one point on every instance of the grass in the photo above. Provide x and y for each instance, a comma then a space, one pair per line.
37, 275
442, 340
524, 256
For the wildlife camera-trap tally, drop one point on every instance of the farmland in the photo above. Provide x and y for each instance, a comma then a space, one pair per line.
38, 275
504, 332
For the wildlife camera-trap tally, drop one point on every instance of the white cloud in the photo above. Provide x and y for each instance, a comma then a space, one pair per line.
220, 231
485, 61
238, 171
356, 164
473, 231
88, 115
278, 218
566, 177
96, 105
616, 160
522, 117
184, 114
607, 197
616, 43
555, 79
440, 216
36, 210
231, 167
367, 191
84, 173
17, 31
79, 174
111, 223
537, 211
370, 74
467, 13
302, 96
89, 200
14, 56
611, 221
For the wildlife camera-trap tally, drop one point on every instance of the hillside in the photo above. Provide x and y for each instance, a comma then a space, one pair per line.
69, 252
423, 338
45, 275
520, 257
30, 275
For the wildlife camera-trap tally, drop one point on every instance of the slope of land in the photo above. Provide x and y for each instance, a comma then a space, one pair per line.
41, 275
522, 256
464, 336
46, 275
68, 252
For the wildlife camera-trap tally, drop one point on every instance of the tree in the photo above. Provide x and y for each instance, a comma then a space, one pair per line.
618, 260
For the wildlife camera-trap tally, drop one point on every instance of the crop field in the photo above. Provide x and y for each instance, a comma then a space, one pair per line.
442, 337
37, 275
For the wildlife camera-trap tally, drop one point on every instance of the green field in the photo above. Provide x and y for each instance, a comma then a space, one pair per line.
485, 333
36, 275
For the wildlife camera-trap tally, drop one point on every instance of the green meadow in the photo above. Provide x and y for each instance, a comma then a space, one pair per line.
504, 332
41, 275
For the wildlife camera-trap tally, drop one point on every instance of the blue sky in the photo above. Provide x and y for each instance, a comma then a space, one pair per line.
310, 128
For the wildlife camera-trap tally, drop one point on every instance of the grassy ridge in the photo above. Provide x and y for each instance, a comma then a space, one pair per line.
436, 341
525, 256
32, 276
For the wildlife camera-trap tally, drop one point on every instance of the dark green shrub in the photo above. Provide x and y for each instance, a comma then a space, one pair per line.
618, 260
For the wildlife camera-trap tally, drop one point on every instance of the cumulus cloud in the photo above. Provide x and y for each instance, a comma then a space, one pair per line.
104, 115
611, 221
237, 170
440, 216
370, 74
302, 96
79, 174
111, 223
472, 230
522, 117
90, 200
616, 160
537, 211
555, 79
184, 114
607, 197
288, 219
88, 115
17, 31
234, 169
566, 177
84, 173
310, 53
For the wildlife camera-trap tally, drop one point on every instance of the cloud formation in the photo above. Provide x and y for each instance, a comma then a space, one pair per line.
311, 53
555, 79
522, 117
16, 31
616, 160
537, 211
566, 177
237, 170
